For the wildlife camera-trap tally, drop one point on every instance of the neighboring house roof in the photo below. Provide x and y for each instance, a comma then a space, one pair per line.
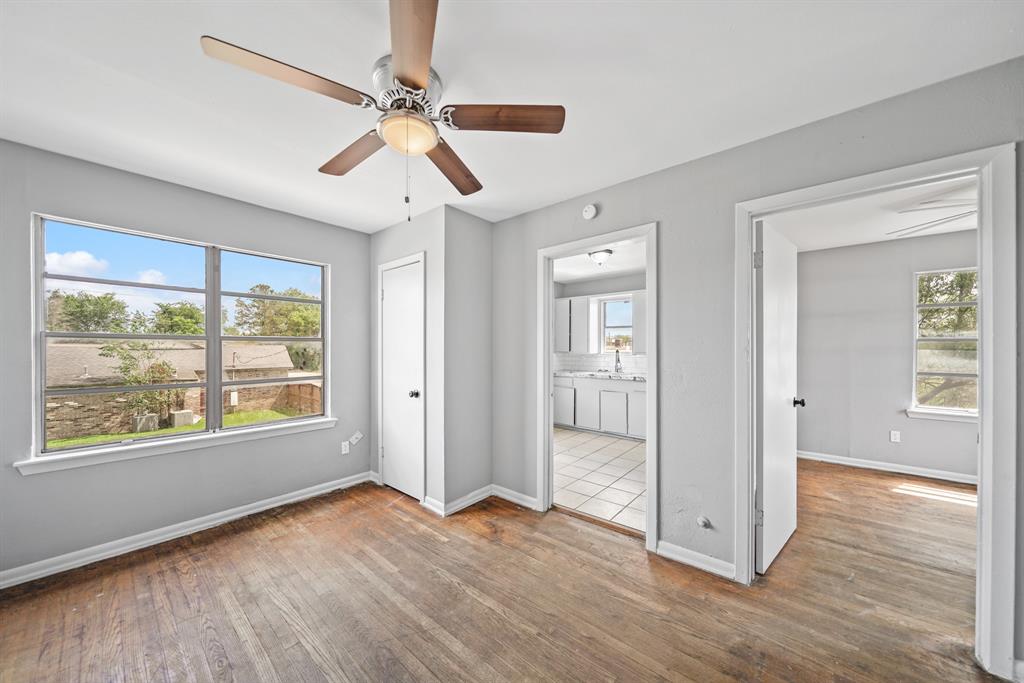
72, 364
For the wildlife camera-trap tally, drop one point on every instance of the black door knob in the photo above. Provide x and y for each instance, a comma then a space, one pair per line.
415, 393
799, 402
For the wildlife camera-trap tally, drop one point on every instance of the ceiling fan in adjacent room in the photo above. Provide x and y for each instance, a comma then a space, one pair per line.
408, 93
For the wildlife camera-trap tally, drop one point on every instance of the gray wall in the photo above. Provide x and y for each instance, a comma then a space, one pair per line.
605, 285
855, 353
424, 233
45, 515
467, 280
694, 205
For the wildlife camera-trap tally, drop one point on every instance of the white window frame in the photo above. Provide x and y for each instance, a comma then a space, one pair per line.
603, 327
938, 412
42, 460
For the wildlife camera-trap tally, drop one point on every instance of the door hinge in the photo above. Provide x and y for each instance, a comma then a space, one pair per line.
758, 259
758, 517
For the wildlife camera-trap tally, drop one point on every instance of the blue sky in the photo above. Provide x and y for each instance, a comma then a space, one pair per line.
618, 314
92, 252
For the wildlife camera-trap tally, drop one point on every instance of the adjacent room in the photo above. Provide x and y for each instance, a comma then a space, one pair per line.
420, 340
599, 379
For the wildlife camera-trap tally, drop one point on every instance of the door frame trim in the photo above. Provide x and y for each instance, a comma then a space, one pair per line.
418, 257
545, 384
995, 168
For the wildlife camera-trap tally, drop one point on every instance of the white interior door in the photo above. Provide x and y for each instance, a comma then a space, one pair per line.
402, 378
776, 312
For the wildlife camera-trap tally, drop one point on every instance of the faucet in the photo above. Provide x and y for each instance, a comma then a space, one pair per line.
618, 363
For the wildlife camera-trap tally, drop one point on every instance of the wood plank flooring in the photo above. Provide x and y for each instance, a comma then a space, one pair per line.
365, 585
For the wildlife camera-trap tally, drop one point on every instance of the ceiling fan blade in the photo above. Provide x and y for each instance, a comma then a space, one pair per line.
266, 66
412, 40
519, 118
353, 155
449, 163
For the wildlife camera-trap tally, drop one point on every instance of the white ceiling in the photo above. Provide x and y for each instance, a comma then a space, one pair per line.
124, 83
872, 218
628, 256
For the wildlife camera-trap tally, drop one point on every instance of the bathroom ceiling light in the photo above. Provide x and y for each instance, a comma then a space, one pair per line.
600, 257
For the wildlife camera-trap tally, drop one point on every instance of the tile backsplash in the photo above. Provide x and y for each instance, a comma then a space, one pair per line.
592, 362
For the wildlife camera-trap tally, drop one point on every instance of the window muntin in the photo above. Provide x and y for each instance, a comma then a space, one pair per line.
617, 325
946, 341
125, 353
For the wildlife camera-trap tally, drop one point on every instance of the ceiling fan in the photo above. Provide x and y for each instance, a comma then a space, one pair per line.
408, 92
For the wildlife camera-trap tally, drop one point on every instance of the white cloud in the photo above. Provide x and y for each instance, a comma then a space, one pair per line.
152, 276
75, 263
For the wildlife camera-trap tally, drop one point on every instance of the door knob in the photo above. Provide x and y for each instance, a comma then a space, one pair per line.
415, 393
799, 402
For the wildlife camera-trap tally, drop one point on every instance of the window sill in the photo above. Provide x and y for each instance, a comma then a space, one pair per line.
118, 452
942, 415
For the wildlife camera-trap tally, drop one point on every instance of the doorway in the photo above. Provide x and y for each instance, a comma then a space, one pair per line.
401, 390
758, 392
597, 380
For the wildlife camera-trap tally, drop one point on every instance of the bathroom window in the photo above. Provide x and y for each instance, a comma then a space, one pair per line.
946, 341
617, 325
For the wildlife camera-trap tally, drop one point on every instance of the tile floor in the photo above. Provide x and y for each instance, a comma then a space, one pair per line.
601, 476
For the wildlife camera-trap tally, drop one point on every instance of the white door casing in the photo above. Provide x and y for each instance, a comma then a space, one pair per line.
776, 292
402, 367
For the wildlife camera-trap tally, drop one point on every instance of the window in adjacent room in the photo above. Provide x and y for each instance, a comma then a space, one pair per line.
617, 325
946, 344
132, 324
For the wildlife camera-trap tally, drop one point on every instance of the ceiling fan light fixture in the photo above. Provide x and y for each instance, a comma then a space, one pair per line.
407, 132
601, 256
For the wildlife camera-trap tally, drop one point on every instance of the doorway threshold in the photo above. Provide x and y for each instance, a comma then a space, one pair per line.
625, 530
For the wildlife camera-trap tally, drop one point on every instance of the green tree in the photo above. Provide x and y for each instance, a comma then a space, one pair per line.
85, 312
183, 317
272, 318
138, 364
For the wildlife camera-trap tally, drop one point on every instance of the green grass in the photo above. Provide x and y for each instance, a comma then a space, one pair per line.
230, 420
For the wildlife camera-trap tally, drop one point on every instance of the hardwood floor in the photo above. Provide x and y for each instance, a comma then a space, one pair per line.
364, 584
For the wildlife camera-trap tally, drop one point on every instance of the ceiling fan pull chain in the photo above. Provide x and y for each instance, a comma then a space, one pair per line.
408, 204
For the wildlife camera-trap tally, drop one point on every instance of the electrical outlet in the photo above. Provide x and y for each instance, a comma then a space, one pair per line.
345, 447
356, 438
894, 436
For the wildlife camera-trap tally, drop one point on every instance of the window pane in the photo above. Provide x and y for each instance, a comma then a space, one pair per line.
620, 338
618, 313
121, 362
947, 392
92, 419
947, 356
269, 318
93, 252
271, 360
948, 287
955, 321
90, 307
248, 273
261, 403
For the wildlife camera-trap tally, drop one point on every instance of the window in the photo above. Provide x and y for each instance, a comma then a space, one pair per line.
617, 325
137, 334
946, 344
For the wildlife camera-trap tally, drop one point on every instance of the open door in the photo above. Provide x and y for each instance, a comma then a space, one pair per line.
776, 311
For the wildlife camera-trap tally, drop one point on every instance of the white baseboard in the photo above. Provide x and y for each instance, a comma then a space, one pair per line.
482, 493
77, 558
467, 500
434, 505
698, 560
1018, 670
889, 467
515, 497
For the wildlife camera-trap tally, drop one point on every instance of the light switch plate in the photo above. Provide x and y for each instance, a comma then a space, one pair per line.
356, 438
894, 436
345, 447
